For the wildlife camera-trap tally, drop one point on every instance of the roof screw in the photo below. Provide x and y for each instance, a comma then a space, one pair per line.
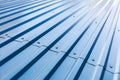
6, 34
38, 42
56, 47
111, 67
22, 38
73, 16
74, 53
93, 60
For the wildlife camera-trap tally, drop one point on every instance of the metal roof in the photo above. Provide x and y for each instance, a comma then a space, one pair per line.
60, 39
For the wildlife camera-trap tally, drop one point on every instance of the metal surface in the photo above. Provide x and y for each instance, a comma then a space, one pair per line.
60, 39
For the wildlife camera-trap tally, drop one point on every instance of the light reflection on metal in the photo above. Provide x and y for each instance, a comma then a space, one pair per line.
60, 39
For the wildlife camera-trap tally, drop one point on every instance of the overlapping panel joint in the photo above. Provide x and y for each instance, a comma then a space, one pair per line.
60, 39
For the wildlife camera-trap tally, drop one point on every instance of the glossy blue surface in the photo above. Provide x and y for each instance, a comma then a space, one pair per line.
60, 40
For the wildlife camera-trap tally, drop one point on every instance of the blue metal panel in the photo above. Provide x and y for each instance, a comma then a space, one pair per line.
60, 39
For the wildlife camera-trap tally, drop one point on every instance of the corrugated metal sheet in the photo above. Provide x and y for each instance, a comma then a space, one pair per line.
60, 39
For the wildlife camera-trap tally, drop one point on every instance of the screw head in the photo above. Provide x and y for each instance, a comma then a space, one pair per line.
6, 34
93, 60
56, 47
38, 42
111, 66
74, 53
22, 38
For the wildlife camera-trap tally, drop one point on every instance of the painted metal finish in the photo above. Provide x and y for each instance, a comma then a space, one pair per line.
60, 40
